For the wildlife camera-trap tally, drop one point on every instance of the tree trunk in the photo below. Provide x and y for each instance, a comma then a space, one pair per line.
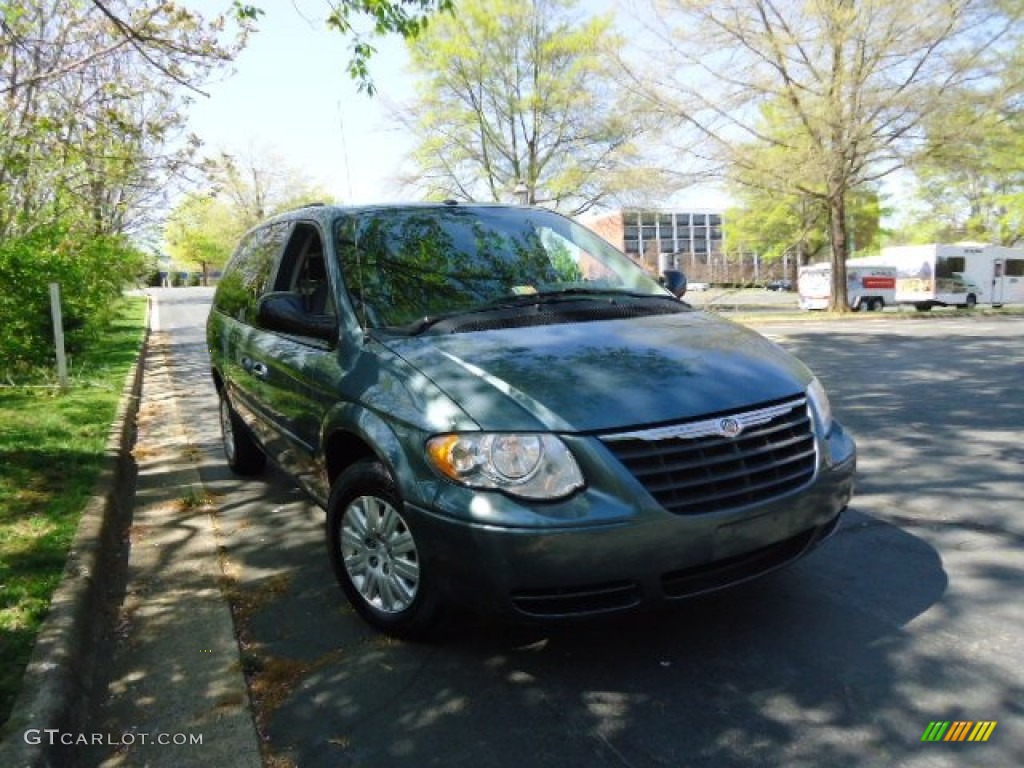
837, 230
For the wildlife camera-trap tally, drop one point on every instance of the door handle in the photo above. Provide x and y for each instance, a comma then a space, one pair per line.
259, 370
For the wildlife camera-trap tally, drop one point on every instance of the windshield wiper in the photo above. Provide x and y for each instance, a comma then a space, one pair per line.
611, 292
427, 321
517, 301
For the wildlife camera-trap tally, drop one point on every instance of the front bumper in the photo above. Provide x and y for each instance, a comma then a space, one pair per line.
653, 558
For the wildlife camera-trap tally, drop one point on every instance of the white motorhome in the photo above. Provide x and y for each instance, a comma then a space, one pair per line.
869, 286
961, 275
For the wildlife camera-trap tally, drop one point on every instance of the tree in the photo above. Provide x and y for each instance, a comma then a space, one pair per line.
518, 97
789, 228
202, 230
973, 191
852, 85
407, 18
259, 185
163, 35
86, 116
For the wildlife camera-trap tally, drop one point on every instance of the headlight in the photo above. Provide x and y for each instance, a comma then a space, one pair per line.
527, 465
819, 403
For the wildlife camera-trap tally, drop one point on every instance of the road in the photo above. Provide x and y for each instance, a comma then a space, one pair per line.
910, 614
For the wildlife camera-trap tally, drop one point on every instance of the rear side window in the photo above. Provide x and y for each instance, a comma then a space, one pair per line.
245, 278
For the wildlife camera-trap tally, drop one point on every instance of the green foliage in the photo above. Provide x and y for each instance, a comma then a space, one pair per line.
91, 124
523, 95
91, 271
202, 231
89, 141
974, 189
407, 18
839, 94
775, 224
256, 186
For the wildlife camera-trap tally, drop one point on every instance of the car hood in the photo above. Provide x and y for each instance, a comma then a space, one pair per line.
604, 375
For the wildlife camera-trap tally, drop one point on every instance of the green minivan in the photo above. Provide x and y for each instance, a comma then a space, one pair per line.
499, 410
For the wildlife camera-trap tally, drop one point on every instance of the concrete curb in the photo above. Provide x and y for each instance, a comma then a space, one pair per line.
60, 675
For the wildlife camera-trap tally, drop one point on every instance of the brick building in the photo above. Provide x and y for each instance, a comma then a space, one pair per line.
658, 239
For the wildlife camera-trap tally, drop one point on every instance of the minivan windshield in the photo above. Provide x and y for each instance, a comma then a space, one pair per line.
407, 267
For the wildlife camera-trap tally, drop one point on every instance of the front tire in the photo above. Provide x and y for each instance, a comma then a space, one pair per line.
376, 555
243, 455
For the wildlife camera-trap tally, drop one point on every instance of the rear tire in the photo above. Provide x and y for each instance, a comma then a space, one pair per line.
240, 449
376, 555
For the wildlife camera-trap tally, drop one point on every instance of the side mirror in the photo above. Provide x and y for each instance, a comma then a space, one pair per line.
675, 281
285, 311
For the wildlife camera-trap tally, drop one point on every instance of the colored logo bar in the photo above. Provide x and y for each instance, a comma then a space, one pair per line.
959, 730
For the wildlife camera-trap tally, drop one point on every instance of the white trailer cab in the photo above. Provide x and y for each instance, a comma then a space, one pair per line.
960, 275
869, 286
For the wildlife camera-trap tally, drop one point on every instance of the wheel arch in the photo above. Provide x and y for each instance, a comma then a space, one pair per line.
354, 434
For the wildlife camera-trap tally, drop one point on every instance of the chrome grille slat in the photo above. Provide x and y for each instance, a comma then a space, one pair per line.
673, 465
738, 474
691, 468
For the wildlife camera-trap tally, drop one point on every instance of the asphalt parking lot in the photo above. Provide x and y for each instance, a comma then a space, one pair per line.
911, 614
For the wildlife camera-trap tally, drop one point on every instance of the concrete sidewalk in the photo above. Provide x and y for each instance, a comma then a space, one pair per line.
176, 695
138, 664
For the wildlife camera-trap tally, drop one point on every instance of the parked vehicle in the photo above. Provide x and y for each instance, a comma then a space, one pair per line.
675, 281
869, 286
498, 409
961, 275
780, 285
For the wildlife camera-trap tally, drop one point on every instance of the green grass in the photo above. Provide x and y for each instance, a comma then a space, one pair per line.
51, 452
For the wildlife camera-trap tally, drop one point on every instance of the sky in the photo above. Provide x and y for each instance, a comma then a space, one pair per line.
289, 96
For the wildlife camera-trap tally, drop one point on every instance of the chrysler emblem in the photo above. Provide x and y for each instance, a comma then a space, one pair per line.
729, 427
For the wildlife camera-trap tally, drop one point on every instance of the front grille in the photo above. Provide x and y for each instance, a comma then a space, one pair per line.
692, 468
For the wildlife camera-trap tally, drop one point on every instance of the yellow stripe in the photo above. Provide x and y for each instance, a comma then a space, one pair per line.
983, 730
